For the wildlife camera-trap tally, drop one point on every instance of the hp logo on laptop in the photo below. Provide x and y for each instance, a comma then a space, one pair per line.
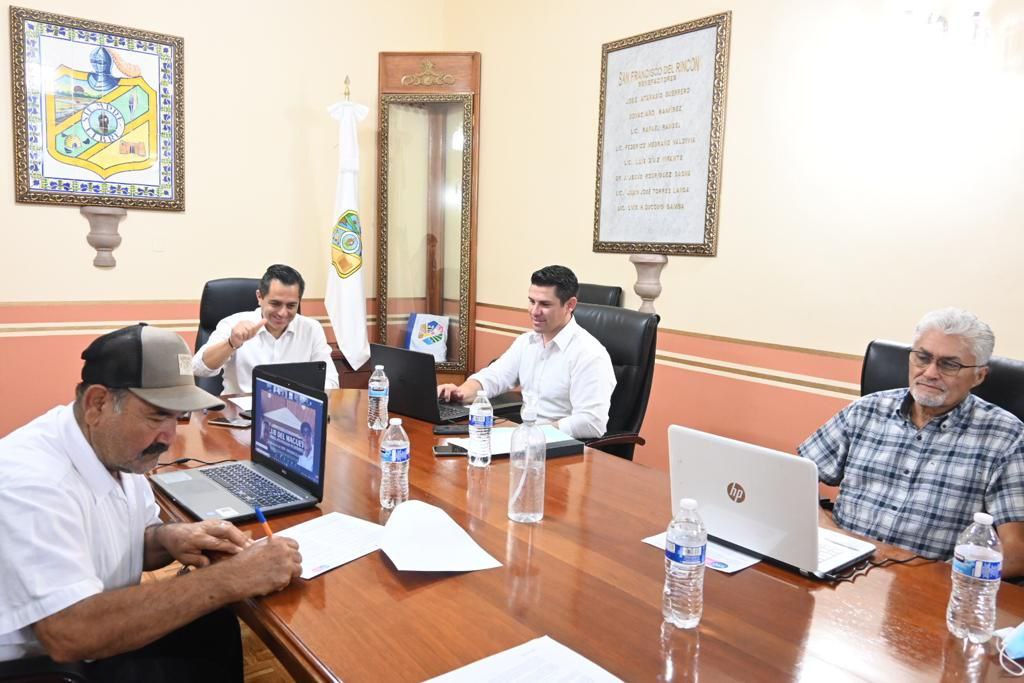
736, 492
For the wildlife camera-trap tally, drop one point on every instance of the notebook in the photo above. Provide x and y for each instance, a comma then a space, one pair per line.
758, 499
288, 438
413, 387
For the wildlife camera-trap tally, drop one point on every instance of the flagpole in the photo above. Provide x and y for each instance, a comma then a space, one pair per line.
345, 299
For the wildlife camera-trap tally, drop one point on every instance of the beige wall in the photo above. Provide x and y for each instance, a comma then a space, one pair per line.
261, 148
870, 171
872, 168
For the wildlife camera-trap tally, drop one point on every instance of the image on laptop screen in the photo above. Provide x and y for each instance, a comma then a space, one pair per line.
287, 426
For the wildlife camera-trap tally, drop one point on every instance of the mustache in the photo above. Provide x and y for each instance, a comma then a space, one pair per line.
154, 449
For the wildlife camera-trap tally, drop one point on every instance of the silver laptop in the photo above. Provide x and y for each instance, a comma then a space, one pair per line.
288, 438
758, 499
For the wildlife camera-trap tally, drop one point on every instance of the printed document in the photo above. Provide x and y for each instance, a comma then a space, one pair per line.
332, 540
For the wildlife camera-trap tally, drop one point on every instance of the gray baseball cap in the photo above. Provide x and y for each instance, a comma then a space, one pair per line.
152, 363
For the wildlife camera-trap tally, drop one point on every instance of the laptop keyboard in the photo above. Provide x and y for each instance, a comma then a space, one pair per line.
451, 411
253, 488
827, 550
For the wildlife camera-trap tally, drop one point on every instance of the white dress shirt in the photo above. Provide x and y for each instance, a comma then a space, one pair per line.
68, 528
302, 341
569, 380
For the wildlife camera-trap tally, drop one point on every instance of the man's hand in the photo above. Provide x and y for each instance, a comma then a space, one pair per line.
244, 331
187, 543
449, 392
267, 566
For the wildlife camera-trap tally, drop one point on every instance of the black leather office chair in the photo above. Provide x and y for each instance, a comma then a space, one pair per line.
886, 366
41, 670
220, 299
631, 340
605, 295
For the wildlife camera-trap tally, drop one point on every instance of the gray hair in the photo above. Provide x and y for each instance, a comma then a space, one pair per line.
118, 395
960, 323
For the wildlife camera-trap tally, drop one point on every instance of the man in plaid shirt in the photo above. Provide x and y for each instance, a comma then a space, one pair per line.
915, 464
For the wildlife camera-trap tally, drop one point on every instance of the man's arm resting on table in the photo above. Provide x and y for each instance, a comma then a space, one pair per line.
1011, 535
126, 619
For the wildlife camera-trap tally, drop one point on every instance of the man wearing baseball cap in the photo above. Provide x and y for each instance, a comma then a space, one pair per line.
79, 525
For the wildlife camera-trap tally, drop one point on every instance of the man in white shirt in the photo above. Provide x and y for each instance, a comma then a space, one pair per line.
564, 372
273, 333
79, 526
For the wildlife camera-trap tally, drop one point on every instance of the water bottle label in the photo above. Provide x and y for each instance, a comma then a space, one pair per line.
684, 554
979, 569
481, 420
378, 393
394, 454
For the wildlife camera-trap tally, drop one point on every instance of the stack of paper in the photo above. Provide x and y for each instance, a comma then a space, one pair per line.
501, 441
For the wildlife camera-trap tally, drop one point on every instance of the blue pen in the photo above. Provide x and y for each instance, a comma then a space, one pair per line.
263, 520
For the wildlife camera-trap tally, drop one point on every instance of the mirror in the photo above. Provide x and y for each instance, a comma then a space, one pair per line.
426, 175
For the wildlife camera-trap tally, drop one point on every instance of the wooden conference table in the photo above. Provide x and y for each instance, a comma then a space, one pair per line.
583, 577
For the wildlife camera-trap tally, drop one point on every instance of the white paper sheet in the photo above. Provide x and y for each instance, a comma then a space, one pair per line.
422, 537
716, 556
501, 438
243, 402
332, 540
539, 660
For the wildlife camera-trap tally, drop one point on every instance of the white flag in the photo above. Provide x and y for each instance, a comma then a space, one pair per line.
346, 302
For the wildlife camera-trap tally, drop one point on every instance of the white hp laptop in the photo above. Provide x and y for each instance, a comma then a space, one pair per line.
759, 499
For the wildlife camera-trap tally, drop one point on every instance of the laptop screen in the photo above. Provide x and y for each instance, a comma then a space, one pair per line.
287, 427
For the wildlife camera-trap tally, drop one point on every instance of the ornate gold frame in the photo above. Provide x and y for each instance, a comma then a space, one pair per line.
722, 22
461, 364
22, 190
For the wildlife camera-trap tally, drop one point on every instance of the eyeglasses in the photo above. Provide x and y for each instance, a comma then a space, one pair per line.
946, 366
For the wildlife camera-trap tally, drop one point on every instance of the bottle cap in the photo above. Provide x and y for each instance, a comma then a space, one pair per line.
481, 393
687, 504
983, 518
378, 367
528, 415
395, 421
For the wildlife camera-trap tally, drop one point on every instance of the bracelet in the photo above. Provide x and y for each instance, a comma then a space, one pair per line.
233, 347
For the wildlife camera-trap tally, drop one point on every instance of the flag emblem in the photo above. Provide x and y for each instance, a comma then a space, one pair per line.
347, 245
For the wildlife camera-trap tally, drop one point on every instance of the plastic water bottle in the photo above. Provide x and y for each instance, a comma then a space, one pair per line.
977, 567
481, 419
526, 471
685, 544
394, 465
377, 403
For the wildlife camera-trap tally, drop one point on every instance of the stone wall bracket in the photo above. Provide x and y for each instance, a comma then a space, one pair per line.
103, 235
648, 278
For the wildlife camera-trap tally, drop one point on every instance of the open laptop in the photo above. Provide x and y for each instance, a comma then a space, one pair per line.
413, 387
311, 373
288, 439
758, 499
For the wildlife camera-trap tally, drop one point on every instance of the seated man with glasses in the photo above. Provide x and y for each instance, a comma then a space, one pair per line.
915, 464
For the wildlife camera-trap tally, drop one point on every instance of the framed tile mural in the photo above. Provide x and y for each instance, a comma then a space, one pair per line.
98, 113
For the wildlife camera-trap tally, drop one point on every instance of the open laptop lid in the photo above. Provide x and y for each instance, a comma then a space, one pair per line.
311, 373
413, 381
748, 495
289, 429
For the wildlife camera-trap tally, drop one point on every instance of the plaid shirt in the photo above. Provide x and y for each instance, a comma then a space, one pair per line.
919, 488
